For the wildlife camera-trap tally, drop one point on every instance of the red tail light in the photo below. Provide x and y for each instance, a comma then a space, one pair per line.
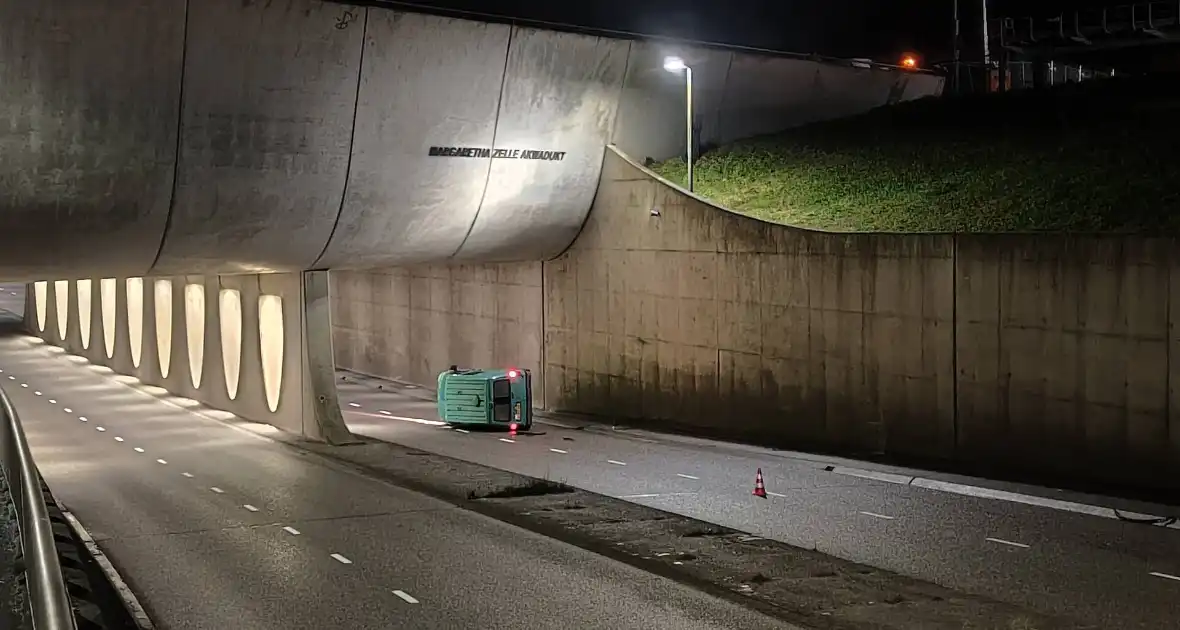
513, 374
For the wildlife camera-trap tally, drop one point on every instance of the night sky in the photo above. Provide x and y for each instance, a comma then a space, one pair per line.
879, 29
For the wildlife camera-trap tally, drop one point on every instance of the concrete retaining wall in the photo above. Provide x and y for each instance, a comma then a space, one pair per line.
1045, 354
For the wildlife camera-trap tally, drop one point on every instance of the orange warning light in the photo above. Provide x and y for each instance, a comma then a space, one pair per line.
909, 62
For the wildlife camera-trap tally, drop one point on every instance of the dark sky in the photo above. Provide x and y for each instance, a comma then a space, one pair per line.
880, 29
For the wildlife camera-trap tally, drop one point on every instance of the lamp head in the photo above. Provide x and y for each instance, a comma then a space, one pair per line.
674, 64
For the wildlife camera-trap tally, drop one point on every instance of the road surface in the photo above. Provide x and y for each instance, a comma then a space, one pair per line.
1124, 575
215, 528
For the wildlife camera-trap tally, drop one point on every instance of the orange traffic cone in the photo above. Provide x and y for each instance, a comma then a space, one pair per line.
759, 487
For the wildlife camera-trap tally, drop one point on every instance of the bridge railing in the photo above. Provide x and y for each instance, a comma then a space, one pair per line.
49, 602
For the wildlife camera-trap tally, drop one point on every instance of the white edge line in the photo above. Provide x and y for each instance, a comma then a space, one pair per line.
1027, 499
409, 599
1166, 576
130, 602
873, 474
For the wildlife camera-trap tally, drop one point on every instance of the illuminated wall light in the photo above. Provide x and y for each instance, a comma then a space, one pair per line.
270, 337
61, 293
84, 304
164, 325
108, 296
41, 297
135, 318
194, 326
229, 304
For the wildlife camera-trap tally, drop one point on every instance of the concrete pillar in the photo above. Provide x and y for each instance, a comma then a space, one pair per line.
186, 333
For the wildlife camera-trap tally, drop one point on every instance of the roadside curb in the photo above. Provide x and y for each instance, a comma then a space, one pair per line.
129, 600
90, 586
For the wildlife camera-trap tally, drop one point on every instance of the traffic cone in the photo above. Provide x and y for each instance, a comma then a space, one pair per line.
759, 487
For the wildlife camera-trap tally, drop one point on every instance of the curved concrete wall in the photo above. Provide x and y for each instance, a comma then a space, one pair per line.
164, 137
1041, 354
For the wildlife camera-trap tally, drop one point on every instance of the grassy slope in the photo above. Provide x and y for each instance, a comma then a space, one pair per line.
1101, 156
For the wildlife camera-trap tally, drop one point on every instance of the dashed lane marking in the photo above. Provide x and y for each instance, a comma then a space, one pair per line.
1008, 542
25, 385
616, 462
250, 508
463, 431
341, 559
353, 405
508, 440
189, 475
688, 476
161, 461
138, 449
67, 410
84, 418
118, 439
100, 429
557, 450
776, 494
409, 599
1166, 576
291, 530
217, 490
875, 515
53, 401
37, 393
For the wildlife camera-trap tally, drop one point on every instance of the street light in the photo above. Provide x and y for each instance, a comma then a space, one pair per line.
676, 65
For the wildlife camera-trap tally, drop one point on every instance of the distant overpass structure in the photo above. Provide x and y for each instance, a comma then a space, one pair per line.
177, 178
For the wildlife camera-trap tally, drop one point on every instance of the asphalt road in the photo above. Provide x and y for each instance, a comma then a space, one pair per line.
1121, 574
214, 527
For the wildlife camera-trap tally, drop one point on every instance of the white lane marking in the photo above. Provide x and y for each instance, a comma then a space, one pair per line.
557, 450
1028, 499
189, 475
24, 385
37, 393
353, 405
384, 412
776, 494
118, 439
250, 508
161, 461
12, 378
138, 450
99, 429
508, 440
291, 530
639, 496
1008, 542
432, 423
875, 515
68, 410
872, 474
217, 490
1166, 576
84, 418
409, 599
616, 462
341, 559
463, 431
687, 476
53, 401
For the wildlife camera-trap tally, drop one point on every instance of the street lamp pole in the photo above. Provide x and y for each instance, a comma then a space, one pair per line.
677, 65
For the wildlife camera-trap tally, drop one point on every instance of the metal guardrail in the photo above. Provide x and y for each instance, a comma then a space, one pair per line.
49, 602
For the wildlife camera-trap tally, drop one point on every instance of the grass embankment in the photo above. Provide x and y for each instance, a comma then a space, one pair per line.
1102, 156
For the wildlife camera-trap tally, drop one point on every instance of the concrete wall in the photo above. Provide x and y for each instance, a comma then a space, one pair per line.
165, 137
412, 323
1036, 353
256, 346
